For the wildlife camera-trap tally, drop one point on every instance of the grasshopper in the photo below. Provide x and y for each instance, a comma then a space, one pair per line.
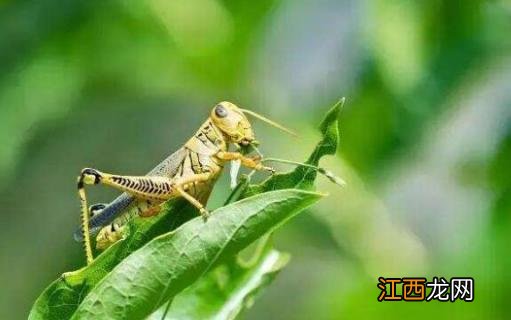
190, 173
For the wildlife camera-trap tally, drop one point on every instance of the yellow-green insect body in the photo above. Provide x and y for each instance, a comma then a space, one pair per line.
190, 173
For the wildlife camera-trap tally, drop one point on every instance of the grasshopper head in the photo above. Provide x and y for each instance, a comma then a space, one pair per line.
233, 123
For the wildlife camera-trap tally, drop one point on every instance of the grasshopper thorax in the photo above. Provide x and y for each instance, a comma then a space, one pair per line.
233, 124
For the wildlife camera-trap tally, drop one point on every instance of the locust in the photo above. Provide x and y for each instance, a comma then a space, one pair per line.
189, 173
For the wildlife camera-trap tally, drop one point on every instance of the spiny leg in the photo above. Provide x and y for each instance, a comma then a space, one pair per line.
85, 219
152, 188
148, 188
143, 187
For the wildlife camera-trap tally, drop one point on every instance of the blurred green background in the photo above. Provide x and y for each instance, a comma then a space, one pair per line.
425, 134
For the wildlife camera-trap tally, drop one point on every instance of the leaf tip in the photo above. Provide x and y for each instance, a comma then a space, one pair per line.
332, 115
341, 102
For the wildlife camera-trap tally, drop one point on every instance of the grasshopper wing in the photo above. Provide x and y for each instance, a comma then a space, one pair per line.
122, 203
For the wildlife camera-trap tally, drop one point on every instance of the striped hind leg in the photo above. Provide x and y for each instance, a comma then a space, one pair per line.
156, 188
152, 188
143, 187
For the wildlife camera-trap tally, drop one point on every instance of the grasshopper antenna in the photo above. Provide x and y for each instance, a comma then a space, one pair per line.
270, 122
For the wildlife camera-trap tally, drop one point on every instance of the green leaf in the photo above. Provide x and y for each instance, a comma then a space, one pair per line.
226, 291
62, 297
169, 263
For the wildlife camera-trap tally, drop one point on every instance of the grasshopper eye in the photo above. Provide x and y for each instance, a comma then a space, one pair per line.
220, 111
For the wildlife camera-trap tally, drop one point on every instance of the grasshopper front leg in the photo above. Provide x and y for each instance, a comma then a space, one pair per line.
153, 188
251, 163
